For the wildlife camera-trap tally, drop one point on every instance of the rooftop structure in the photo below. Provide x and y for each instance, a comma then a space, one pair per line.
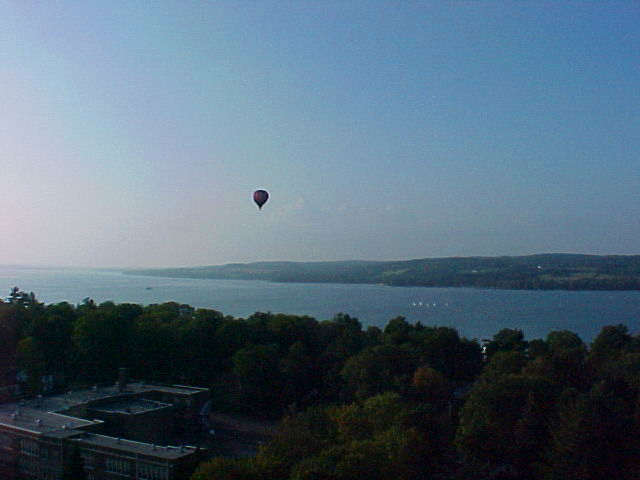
120, 430
133, 406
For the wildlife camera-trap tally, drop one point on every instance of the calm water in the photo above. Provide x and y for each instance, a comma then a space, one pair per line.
476, 313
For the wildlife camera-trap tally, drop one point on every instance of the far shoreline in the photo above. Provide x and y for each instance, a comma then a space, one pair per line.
545, 272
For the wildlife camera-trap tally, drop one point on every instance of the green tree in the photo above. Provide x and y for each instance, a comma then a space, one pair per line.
52, 330
9, 338
373, 440
379, 369
259, 379
594, 436
563, 340
611, 339
504, 363
506, 340
431, 387
300, 373
398, 331
487, 432
30, 357
98, 346
222, 468
299, 436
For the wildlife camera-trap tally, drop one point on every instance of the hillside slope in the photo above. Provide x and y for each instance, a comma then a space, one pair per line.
544, 271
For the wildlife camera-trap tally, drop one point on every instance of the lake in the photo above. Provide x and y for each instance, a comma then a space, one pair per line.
475, 313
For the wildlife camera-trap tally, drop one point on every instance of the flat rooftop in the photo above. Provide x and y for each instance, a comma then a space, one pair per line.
131, 406
39, 421
48, 414
131, 446
77, 397
176, 389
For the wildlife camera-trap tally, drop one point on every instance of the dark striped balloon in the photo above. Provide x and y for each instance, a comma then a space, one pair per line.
260, 197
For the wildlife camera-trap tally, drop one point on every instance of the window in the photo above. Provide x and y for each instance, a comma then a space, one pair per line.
30, 447
28, 465
7, 458
49, 474
147, 471
113, 465
55, 454
49, 453
5, 440
88, 459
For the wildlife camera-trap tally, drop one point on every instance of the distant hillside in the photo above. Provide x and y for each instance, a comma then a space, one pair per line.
545, 271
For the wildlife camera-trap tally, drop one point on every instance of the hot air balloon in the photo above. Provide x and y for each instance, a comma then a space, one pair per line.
260, 197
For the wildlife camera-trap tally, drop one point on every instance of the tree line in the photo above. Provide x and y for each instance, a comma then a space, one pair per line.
408, 401
543, 409
527, 272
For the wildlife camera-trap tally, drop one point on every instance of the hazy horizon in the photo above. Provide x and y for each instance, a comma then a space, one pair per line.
134, 135
137, 267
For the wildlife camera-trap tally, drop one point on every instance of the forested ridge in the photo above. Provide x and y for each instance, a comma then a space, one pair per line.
409, 401
543, 272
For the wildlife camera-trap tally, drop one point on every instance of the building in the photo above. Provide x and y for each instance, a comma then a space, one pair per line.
122, 432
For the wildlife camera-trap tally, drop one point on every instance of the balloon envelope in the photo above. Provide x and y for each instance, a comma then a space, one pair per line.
260, 197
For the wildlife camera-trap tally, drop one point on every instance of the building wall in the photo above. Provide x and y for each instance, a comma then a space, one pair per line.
25, 455
38, 455
153, 426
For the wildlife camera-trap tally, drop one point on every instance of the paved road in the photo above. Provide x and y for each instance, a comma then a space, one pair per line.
237, 436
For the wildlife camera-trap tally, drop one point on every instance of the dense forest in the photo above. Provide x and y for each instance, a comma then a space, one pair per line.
543, 272
409, 401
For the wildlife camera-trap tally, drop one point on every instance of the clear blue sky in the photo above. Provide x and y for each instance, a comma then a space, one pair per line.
134, 133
